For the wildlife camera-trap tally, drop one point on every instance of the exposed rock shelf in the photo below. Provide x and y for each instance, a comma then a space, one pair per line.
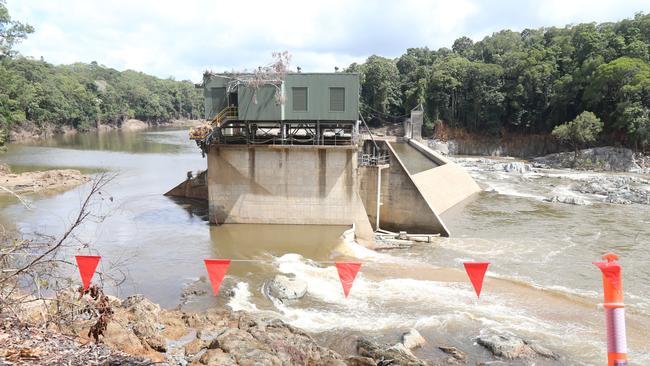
222, 337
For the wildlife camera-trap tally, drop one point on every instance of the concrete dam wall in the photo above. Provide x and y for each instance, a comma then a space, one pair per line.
276, 184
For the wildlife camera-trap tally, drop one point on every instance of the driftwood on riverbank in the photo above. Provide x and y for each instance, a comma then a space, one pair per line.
39, 181
23, 344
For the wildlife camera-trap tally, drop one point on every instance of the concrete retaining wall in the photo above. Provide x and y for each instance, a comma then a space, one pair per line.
285, 185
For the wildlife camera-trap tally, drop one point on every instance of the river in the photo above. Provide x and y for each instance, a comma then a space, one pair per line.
541, 284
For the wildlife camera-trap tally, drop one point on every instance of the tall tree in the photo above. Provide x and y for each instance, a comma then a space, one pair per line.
11, 31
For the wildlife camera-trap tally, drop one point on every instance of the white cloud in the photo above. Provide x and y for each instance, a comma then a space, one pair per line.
183, 38
562, 12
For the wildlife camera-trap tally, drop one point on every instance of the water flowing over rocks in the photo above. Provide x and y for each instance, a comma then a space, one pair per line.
571, 200
514, 167
598, 159
559, 185
618, 189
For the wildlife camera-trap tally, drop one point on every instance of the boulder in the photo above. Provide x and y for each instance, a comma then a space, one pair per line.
571, 200
515, 167
145, 321
399, 354
512, 347
454, 352
133, 124
286, 288
360, 361
413, 339
216, 357
291, 345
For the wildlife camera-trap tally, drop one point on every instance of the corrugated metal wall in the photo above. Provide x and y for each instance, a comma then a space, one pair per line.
327, 97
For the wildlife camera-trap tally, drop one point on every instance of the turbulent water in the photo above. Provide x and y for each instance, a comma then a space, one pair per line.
541, 284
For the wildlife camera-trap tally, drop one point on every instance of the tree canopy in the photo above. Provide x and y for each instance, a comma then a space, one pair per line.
80, 95
528, 81
584, 129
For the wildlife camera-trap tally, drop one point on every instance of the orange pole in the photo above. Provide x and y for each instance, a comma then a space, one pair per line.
614, 310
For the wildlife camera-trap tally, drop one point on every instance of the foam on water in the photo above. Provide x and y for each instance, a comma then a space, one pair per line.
508, 189
241, 299
399, 303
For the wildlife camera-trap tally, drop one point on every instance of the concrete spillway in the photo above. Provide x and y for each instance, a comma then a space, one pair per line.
417, 187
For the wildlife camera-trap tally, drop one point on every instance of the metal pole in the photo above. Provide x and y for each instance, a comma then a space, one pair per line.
379, 169
614, 310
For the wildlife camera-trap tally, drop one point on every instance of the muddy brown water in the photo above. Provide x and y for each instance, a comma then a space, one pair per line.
541, 284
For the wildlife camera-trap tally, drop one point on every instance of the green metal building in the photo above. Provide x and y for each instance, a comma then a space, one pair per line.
307, 96
302, 108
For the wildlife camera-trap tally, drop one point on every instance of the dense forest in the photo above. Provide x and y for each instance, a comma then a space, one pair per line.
525, 82
80, 95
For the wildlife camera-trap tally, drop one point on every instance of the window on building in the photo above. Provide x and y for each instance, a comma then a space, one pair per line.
337, 99
300, 99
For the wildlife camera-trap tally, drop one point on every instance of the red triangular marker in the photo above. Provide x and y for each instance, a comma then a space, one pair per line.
87, 266
347, 272
217, 269
476, 272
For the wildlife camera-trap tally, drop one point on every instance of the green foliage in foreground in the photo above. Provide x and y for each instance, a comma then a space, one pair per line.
81, 95
529, 81
584, 129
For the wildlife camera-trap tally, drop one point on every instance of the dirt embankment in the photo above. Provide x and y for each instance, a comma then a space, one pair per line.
39, 181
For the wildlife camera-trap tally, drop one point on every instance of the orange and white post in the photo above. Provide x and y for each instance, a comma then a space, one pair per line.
614, 310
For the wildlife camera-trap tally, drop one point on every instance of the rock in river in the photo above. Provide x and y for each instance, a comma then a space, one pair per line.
398, 354
515, 167
285, 288
413, 339
571, 200
512, 347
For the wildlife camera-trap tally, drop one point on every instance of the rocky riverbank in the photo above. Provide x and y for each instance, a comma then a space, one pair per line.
569, 186
141, 328
39, 181
29, 131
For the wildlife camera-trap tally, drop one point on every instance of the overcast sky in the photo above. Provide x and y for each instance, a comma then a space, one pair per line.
184, 38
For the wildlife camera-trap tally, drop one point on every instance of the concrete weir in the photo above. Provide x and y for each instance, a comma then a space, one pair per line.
325, 185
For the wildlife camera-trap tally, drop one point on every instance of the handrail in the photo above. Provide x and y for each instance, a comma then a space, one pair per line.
225, 114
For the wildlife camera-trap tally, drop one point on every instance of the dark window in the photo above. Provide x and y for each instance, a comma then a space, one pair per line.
300, 99
219, 102
337, 99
